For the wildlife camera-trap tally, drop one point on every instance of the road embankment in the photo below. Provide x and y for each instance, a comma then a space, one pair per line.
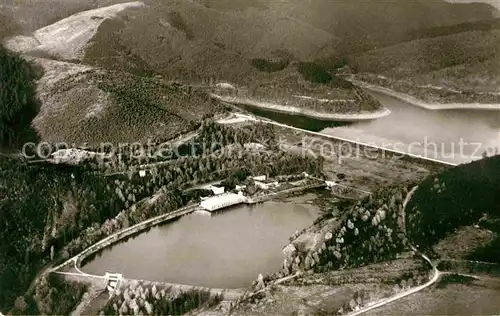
114, 238
340, 117
357, 145
423, 104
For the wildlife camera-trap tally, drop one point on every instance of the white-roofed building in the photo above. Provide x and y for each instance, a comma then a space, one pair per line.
330, 183
240, 187
260, 178
221, 201
217, 190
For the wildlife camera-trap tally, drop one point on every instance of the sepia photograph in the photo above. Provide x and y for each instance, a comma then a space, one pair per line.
250, 157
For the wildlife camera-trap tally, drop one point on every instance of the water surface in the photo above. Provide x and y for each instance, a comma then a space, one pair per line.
456, 136
227, 249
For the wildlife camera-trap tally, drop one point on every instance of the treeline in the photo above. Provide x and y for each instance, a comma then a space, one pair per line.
155, 300
369, 231
269, 65
18, 101
457, 197
224, 163
54, 296
211, 138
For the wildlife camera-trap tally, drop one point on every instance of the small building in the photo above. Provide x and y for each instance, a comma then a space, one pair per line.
240, 188
259, 178
266, 184
222, 201
113, 281
330, 184
142, 173
217, 190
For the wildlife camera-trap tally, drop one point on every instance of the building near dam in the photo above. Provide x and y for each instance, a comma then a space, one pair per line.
217, 190
222, 201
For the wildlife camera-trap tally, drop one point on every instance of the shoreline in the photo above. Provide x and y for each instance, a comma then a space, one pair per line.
144, 225
362, 116
123, 234
426, 105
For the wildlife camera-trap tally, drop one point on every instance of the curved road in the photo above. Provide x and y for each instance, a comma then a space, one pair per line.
435, 277
396, 297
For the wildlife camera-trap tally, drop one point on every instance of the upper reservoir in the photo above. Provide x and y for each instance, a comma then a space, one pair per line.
434, 134
227, 249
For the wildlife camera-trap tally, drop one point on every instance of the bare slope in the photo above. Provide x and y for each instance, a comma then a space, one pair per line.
67, 38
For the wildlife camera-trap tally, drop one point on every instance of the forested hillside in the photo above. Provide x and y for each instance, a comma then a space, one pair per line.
376, 229
464, 61
18, 100
178, 41
363, 25
37, 209
457, 197
86, 105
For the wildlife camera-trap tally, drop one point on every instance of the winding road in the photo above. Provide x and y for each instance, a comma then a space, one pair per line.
435, 276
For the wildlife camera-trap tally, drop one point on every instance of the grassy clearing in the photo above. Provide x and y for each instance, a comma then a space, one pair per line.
478, 298
462, 243
357, 170
454, 279
336, 292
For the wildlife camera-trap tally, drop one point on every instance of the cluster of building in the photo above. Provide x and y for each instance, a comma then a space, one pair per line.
262, 182
222, 199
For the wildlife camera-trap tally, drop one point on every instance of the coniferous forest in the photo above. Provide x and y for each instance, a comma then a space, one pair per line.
18, 102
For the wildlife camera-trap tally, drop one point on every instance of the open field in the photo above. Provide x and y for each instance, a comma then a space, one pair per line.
331, 292
463, 242
478, 298
353, 166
